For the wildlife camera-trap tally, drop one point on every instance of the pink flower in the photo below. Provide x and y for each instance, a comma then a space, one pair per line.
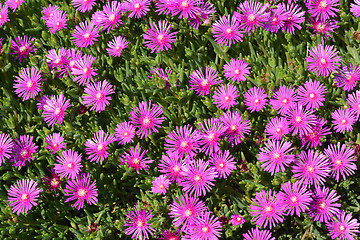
277, 128
137, 224
3, 15
27, 84
159, 37
236, 126
316, 133
22, 151
312, 94
200, 83
22, 46
275, 19
301, 119
68, 164
206, 227
54, 109
96, 147
98, 95
138, 7
110, 16
223, 162
323, 9
23, 195
57, 22
355, 8
250, 15
173, 167
13, 4
343, 120
83, 70
354, 102
283, 99
204, 14
124, 132
116, 46
210, 136
165, 6
57, 60
6, 145
347, 77
85, 34
83, 5
224, 97
49, 12
186, 8
227, 31
343, 226
323, 27
255, 234
236, 70
53, 182
55, 142
136, 159
237, 219
160, 184
255, 99
294, 17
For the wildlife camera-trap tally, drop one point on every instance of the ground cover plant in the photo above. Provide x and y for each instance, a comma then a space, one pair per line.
179, 119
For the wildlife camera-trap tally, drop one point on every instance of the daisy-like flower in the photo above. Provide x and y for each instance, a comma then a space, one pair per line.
158, 37
355, 8
343, 120
167, 235
172, 167
198, 178
57, 22
266, 209
313, 138
85, 34
6, 145
342, 160
256, 234
283, 99
124, 132
22, 47
201, 84
323, 9
186, 8
116, 46
312, 94
160, 184
236, 126
147, 118
207, 227
255, 99
136, 159
83, 5
42, 101
13, 4
301, 119
96, 147
183, 141
27, 84
83, 70
3, 14
236, 70
212, 129
354, 102
323, 60
165, 6
237, 220
311, 167
55, 142
68, 164
294, 17
277, 128
323, 207
52, 182
22, 150
275, 156
295, 198
49, 11
275, 19
23, 195
73, 55
250, 15
223, 162
343, 227
227, 31
323, 27
186, 210
57, 59
225, 96
206, 9
347, 77
110, 16
138, 225
81, 189
138, 8
54, 109
98, 95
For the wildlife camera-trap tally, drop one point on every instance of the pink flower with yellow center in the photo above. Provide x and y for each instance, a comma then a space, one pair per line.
160, 184
124, 132
137, 223
55, 142
136, 159
27, 84
96, 148
68, 164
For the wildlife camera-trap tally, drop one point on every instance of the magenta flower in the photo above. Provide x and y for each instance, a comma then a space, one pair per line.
323, 60
13, 4
110, 16
183, 141
323, 27
68, 164
54, 109
172, 167
138, 225
267, 210
83, 5
49, 12
27, 84
255, 234
138, 8
98, 95
343, 120
83, 70
295, 198
55, 142
186, 210
342, 160
160, 184
207, 227
250, 15
200, 83
146, 118
347, 77
52, 182
186, 8
322, 9
227, 31
124, 132
165, 6
167, 235
225, 96
275, 19
212, 129
96, 147
354, 102
311, 167
22, 46
223, 162
73, 56
318, 131
312, 94
6, 145
343, 227
136, 159
255, 99
159, 37
57, 22
236, 126
294, 17
23, 195
81, 190
204, 14
57, 60
236, 70
301, 119
277, 128
22, 151
355, 8
85, 34
3, 14
237, 220
116, 46
275, 156
323, 207
283, 99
